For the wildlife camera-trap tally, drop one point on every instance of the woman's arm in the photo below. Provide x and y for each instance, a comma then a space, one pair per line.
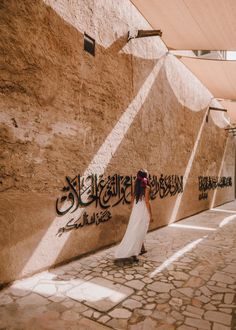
147, 201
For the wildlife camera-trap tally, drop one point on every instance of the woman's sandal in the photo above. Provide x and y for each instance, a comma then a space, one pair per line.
135, 259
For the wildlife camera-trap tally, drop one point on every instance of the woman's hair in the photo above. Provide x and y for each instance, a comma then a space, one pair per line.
140, 184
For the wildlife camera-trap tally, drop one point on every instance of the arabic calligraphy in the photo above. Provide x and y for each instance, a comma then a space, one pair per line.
212, 182
111, 191
85, 220
106, 193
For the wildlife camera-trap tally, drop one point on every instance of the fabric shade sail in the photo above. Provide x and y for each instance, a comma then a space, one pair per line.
218, 76
192, 24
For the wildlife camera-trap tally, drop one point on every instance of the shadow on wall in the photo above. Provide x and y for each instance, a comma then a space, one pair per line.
55, 93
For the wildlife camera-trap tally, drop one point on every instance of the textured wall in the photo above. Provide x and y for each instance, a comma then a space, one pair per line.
64, 112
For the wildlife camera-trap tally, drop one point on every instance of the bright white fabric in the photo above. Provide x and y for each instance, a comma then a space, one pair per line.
135, 233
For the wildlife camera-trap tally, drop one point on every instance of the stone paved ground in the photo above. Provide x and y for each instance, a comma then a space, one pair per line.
187, 280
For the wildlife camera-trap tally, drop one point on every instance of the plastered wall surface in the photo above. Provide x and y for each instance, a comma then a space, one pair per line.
64, 113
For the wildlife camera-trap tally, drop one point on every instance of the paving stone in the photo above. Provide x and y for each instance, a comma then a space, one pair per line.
136, 284
57, 307
120, 313
5, 299
178, 284
218, 296
45, 290
138, 298
150, 306
159, 315
68, 303
185, 327
148, 323
131, 304
225, 310
26, 284
18, 293
70, 316
57, 298
65, 287
191, 315
221, 284
129, 277
195, 302
151, 293
32, 299
96, 315
147, 280
177, 302
227, 306
179, 275
210, 307
117, 324
228, 298
145, 312
186, 260
100, 294
204, 299
230, 269
198, 323
119, 280
104, 319
194, 282
118, 275
87, 324
217, 326
150, 299
160, 287
105, 273
186, 291
177, 316
88, 313
220, 277
219, 289
194, 310
218, 317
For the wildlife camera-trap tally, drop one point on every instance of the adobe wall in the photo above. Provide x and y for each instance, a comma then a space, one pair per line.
66, 113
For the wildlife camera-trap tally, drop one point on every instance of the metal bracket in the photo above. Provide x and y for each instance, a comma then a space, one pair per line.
214, 109
144, 34
231, 130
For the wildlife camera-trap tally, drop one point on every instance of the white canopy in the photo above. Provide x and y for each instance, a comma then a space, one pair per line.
192, 24
217, 75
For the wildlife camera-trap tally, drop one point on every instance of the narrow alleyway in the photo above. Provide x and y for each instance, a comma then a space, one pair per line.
187, 280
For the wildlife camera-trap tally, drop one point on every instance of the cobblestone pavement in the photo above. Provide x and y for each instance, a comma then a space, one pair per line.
187, 280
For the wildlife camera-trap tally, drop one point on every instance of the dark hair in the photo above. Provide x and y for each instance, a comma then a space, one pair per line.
140, 184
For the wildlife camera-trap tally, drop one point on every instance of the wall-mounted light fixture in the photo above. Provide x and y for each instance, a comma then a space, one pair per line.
144, 34
89, 44
214, 109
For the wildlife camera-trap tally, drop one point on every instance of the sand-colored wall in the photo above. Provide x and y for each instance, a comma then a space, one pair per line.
64, 112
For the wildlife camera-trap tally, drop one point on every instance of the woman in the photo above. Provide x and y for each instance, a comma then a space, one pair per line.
141, 214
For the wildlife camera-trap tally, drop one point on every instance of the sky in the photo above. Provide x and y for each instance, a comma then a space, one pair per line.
231, 55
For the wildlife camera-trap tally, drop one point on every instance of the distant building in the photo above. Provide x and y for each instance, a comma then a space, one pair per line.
213, 54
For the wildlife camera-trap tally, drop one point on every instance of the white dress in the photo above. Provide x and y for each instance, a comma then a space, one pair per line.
136, 231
